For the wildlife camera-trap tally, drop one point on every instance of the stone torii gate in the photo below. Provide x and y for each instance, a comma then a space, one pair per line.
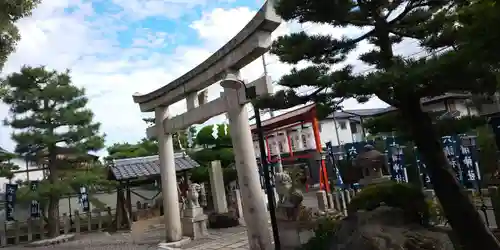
224, 65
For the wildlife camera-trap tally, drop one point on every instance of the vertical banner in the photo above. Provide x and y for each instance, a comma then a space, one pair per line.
35, 204
422, 170
469, 162
84, 199
396, 160
331, 154
10, 201
451, 146
261, 174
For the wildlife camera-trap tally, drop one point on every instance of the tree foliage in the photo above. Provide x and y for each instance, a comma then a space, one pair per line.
53, 127
6, 166
214, 149
444, 27
146, 146
391, 124
10, 12
206, 139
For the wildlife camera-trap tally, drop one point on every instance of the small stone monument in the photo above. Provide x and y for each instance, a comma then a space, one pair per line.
194, 222
372, 165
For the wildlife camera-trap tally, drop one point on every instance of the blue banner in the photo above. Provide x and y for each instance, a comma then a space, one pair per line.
395, 156
353, 149
35, 204
10, 201
272, 167
331, 154
470, 166
422, 170
451, 148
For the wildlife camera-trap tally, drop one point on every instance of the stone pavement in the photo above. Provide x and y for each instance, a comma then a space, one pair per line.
234, 238
221, 239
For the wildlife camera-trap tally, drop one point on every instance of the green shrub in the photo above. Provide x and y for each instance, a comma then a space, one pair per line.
436, 214
400, 195
323, 233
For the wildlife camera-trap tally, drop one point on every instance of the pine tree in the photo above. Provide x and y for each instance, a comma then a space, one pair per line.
10, 12
400, 82
49, 115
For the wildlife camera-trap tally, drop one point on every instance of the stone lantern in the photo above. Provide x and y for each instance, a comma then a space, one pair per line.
372, 164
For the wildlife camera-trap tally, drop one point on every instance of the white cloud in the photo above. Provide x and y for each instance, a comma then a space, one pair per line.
88, 44
140, 9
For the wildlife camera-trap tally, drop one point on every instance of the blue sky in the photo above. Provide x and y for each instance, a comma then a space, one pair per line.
116, 48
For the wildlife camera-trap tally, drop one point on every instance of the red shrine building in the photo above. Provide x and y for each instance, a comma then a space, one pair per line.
297, 138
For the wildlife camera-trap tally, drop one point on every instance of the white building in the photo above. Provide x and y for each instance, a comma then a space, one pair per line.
37, 174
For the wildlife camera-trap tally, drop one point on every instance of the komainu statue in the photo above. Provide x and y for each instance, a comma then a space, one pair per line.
193, 195
290, 197
283, 185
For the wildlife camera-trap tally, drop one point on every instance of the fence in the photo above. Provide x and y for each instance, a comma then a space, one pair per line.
19, 232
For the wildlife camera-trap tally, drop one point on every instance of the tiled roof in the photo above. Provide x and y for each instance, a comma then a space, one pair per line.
359, 113
379, 111
131, 168
3, 151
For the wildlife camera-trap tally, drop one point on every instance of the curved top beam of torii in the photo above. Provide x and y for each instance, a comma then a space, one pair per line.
249, 44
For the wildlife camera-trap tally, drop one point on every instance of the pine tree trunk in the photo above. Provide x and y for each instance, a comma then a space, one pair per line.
461, 213
53, 213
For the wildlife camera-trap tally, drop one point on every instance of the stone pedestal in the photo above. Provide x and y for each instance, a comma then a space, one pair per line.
322, 200
292, 234
194, 223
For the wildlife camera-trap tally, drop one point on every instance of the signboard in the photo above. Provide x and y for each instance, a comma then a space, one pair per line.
35, 204
84, 199
10, 201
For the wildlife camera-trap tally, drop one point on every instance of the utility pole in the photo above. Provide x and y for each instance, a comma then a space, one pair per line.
264, 64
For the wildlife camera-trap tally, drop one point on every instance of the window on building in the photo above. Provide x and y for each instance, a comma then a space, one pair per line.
342, 125
354, 127
304, 141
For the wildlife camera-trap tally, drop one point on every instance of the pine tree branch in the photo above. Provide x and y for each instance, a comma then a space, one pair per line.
317, 49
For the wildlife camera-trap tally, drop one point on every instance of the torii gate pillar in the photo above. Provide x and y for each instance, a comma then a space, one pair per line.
170, 196
254, 207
